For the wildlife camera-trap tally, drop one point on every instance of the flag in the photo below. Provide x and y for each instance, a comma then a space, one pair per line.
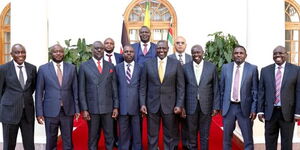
170, 38
124, 37
147, 15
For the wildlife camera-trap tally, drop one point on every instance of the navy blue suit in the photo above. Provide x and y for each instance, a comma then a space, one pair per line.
241, 112
56, 103
139, 57
279, 118
119, 58
129, 119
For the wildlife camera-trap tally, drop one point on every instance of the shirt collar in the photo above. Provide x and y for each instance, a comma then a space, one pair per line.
177, 54
131, 64
282, 66
241, 65
96, 61
15, 63
198, 65
148, 44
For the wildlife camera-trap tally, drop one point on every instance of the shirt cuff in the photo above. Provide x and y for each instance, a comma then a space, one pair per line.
260, 113
297, 115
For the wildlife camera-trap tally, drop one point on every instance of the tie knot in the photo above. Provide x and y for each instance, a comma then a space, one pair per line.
180, 55
161, 62
98, 62
128, 65
58, 65
109, 55
238, 66
279, 67
20, 67
145, 44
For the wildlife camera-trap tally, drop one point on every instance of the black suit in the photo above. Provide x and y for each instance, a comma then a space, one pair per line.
279, 118
98, 94
200, 100
160, 100
16, 108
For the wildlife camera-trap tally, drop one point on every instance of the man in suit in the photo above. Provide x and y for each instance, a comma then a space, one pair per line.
201, 98
238, 90
279, 100
128, 77
180, 46
162, 96
56, 98
109, 54
17, 84
98, 97
145, 49
114, 58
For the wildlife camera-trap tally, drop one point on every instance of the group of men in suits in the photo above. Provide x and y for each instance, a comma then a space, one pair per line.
179, 90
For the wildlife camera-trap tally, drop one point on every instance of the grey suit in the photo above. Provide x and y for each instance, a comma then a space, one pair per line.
160, 99
17, 108
200, 99
98, 94
241, 111
279, 118
188, 58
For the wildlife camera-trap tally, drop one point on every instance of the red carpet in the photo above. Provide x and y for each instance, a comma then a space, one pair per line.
80, 135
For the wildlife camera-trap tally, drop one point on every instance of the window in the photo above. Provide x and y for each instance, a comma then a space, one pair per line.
292, 30
5, 35
162, 15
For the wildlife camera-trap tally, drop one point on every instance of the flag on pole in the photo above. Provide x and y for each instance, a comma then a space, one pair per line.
147, 15
170, 38
124, 37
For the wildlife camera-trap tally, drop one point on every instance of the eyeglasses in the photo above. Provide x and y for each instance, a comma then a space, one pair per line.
179, 43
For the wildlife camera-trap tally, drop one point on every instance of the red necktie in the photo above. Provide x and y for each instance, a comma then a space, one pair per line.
99, 67
109, 57
145, 49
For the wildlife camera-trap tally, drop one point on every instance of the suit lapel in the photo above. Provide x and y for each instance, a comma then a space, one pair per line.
155, 68
245, 72
203, 74
66, 72
134, 73
230, 73
52, 72
285, 74
93, 67
122, 69
168, 65
14, 73
272, 76
192, 73
28, 73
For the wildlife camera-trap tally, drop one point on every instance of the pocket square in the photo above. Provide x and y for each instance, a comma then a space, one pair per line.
111, 71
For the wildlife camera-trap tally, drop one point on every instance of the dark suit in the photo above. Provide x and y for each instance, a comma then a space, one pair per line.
188, 57
200, 99
139, 57
129, 119
17, 108
160, 100
57, 103
279, 117
119, 58
183, 122
98, 94
241, 112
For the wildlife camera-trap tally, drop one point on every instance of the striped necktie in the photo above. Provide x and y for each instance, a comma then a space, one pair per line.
128, 73
278, 85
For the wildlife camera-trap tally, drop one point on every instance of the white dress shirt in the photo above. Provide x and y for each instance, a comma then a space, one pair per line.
240, 81
198, 68
131, 67
112, 57
101, 62
182, 57
23, 70
61, 67
148, 46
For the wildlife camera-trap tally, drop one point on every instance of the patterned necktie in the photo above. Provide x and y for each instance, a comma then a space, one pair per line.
161, 72
278, 85
180, 58
59, 74
235, 94
99, 66
109, 57
21, 77
145, 49
128, 73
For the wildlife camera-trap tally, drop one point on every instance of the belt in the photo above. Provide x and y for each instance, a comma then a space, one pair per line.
232, 102
277, 107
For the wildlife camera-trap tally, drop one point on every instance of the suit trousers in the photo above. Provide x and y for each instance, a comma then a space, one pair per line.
235, 113
184, 132
10, 132
130, 129
170, 130
198, 122
98, 122
272, 128
65, 123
